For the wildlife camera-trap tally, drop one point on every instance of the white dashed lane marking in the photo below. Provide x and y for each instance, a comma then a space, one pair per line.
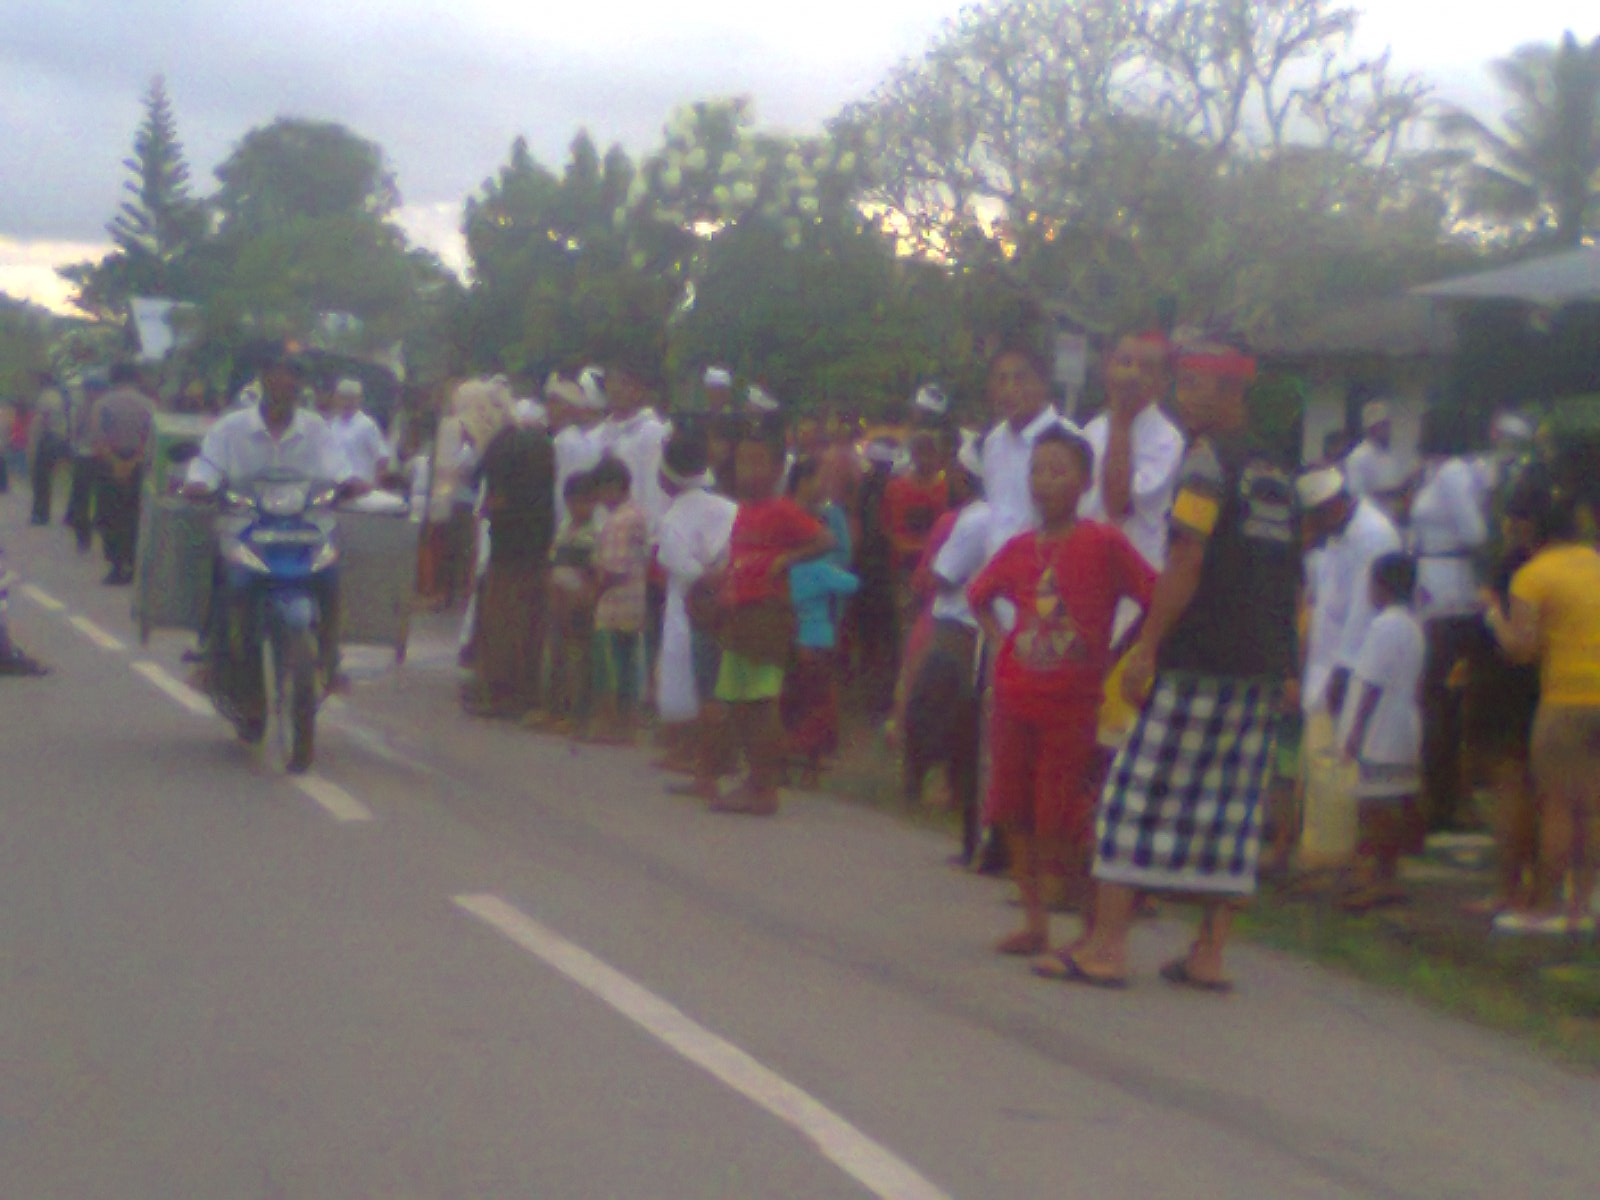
96, 634
42, 598
334, 800
875, 1167
185, 695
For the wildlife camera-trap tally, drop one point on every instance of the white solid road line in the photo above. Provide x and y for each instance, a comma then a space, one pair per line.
873, 1166
42, 598
96, 635
175, 689
335, 801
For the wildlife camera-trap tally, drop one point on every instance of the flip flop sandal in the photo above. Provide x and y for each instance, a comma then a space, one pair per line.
1176, 973
1063, 968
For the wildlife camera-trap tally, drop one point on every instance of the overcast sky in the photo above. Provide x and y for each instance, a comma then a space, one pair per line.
445, 86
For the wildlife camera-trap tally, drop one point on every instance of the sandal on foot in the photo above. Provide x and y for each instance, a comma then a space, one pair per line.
1023, 945
1063, 968
1177, 973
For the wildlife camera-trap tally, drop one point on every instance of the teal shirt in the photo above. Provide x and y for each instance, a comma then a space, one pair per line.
814, 588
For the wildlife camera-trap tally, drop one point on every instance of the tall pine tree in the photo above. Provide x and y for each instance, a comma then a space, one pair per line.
154, 229
160, 220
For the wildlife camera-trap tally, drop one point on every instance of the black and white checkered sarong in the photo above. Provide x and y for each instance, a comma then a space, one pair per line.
1181, 810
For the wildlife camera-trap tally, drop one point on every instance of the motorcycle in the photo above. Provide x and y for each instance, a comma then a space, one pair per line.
277, 547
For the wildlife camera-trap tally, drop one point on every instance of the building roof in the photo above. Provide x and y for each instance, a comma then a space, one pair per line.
1570, 277
1396, 327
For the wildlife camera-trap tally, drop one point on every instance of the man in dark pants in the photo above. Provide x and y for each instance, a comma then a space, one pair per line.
85, 467
121, 423
48, 441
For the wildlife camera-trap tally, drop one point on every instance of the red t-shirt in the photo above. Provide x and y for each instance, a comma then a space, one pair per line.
910, 510
762, 532
1066, 592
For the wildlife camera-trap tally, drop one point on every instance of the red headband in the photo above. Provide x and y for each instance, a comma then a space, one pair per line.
1228, 364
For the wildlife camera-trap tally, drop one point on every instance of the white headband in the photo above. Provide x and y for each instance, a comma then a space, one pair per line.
718, 377
930, 398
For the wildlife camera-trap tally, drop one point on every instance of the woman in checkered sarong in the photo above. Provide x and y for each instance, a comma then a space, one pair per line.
1181, 809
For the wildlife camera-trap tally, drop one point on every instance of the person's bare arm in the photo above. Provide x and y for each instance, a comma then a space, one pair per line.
1175, 589
1516, 631
1116, 481
1365, 708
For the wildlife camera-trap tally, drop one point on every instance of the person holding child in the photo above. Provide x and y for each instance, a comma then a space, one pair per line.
1065, 582
810, 700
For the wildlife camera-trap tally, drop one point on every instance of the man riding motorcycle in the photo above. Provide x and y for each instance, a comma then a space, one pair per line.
275, 436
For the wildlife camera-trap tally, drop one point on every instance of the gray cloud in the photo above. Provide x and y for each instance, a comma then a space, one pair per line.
443, 97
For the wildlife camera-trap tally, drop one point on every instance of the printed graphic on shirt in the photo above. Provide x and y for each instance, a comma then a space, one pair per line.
1049, 637
1267, 497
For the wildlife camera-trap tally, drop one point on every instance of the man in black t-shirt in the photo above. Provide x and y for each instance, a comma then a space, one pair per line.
1181, 809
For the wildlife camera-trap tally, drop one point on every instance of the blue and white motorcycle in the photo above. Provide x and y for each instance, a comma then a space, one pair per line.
277, 545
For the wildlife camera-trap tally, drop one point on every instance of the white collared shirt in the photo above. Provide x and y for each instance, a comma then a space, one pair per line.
1371, 472
958, 562
1448, 526
1157, 453
238, 448
1341, 610
637, 441
363, 444
1007, 477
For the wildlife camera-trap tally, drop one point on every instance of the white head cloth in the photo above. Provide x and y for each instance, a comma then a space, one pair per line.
1316, 488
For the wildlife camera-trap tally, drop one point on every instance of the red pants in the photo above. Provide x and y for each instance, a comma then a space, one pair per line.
810, 704
1043, 772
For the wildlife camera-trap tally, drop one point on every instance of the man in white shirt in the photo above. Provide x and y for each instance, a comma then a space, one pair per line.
277, 435
358, 434
1137, 447
635, 434
1019, 390
576, 414
1374, 471
1353, 534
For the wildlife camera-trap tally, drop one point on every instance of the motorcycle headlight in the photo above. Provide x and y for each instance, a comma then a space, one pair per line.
284, 499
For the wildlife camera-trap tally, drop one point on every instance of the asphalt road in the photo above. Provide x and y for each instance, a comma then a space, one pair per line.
466, 961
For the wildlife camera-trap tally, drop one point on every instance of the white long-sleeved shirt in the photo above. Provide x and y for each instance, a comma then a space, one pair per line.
1341, 610
363, 444
1370, 471
1448, 525
239, 448
958, 562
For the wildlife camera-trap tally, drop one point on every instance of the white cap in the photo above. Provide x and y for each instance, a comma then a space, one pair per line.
529, 414
1316, 488
970, 456
759, 401
718, 377
930, 398
349, 387
1375, 412
563, 391
592, 382
1513, 427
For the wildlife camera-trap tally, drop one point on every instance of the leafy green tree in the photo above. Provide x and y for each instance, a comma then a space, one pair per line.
1540, 172
296, 168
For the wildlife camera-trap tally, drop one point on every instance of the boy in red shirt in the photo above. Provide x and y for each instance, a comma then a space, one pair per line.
755, 619
1065, 581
